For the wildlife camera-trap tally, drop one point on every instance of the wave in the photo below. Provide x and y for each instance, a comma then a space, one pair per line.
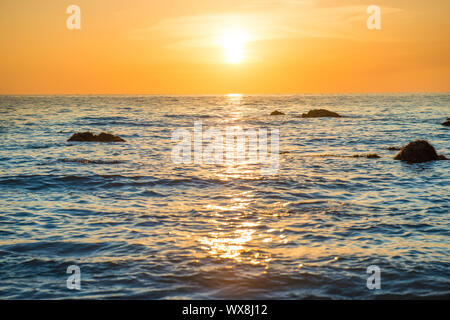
103, 181
87, 161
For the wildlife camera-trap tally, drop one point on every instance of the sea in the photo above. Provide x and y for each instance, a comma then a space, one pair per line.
328, 224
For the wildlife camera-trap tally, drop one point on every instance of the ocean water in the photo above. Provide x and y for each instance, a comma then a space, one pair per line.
141, 227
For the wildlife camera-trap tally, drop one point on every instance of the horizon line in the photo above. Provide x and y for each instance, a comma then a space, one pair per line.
224, 94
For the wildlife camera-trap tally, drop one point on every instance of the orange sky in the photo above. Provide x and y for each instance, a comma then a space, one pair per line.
173, 47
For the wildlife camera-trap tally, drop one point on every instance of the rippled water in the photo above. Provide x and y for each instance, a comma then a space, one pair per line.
140, 226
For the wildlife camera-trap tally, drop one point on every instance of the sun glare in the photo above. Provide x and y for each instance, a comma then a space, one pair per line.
233, 42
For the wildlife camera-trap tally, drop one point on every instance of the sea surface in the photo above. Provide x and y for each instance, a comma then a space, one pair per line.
140, 226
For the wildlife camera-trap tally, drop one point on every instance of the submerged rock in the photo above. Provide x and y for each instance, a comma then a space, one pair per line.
87, 161
320, 113
418, 151
90, 137
394, 148
446, 122
277, 113
368, 156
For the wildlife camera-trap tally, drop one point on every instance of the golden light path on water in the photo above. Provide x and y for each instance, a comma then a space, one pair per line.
235, 239
232, 245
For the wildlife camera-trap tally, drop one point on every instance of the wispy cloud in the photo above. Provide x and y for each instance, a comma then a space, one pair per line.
264, 20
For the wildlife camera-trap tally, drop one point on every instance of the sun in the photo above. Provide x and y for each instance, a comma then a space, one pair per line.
233, 42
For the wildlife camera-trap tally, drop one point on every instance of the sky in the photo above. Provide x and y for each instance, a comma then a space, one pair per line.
220, 47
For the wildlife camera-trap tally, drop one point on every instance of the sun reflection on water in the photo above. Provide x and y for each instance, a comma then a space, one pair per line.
237, 235
236, 238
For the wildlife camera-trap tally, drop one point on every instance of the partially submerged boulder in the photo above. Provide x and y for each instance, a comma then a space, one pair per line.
446, 122
277, 113
320, 113
91, 137
418, 151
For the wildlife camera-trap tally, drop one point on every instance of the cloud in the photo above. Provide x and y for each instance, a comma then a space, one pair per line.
264, 20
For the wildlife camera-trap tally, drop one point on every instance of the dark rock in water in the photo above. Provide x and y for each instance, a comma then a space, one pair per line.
277, 113
394, 148
86, 161
90, 137
418, 151
368, 156
320, 113
446, 123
